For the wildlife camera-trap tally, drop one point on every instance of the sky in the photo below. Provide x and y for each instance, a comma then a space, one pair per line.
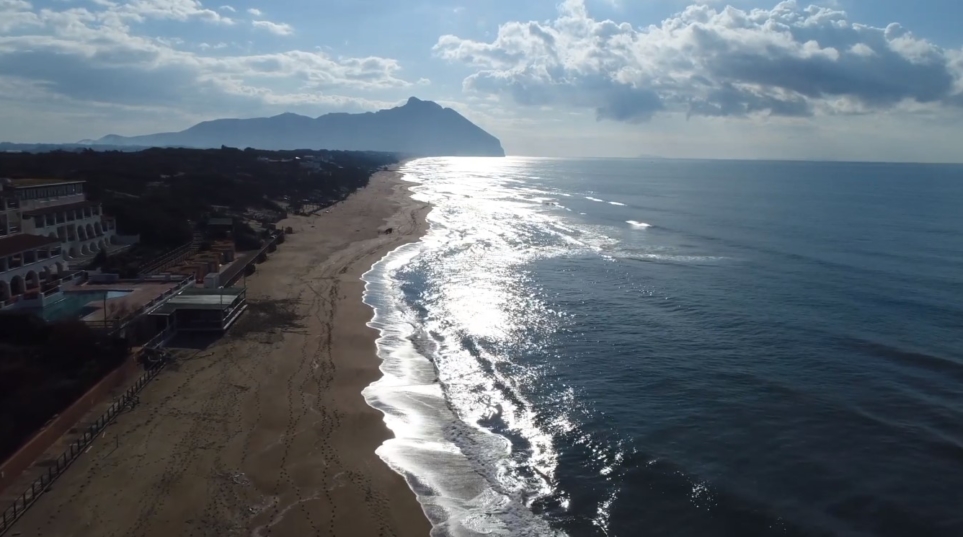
878, 80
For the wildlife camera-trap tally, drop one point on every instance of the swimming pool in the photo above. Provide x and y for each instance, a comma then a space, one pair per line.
75, 305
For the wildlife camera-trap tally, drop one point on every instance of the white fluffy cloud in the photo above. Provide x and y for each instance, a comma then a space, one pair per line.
276, 28
179, 10
99, 56
788, 61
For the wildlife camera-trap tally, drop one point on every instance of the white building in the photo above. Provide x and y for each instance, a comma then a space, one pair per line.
45, 224
58, 209
29, 264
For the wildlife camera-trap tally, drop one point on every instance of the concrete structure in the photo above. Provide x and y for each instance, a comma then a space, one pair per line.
45, 226
205, 310
112, 305
9, 213
220, 226
59, 209
30, 265
200, 265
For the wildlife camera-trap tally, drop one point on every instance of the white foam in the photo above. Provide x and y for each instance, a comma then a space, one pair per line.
449, 488
594, 199
460, 472
616, 203
638, 225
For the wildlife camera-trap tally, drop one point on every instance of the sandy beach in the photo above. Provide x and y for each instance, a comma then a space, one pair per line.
265, 431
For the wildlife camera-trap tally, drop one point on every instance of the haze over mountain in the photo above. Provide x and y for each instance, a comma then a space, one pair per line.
422, 128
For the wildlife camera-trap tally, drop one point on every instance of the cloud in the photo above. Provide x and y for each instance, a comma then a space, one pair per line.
276, 28
178, 10
787, 61
256, 12
96, 58
15, 14
228, 8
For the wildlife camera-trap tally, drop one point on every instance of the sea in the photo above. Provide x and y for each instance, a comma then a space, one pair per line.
677, 348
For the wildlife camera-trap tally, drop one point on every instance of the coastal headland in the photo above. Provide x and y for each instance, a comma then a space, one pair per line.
265, 431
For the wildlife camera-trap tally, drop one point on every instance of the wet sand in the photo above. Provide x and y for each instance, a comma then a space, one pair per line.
263, 432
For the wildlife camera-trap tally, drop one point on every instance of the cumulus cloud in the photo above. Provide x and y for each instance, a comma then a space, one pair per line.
276, 28
97, 56
16, 13
787, 61
178, 10
254, 11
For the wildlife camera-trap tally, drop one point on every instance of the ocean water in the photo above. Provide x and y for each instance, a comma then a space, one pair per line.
677, 348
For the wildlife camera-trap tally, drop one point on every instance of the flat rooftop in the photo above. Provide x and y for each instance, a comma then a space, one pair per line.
53, 209
30, 182
202, 299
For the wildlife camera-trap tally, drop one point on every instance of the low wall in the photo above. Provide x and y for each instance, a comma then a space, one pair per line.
127, 240
11, 468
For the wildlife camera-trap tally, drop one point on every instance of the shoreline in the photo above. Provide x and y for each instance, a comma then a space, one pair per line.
264, 431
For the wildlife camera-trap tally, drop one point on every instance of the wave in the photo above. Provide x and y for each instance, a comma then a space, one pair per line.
464, 437
672, 259
908, 358
442, 458
616, 203
594, 199
638, 225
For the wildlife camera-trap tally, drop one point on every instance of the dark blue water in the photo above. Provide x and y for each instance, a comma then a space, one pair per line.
686, 348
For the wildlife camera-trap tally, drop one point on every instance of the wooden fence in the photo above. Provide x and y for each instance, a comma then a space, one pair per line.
77, 447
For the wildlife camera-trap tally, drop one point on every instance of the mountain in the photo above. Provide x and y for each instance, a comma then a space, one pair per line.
421, 128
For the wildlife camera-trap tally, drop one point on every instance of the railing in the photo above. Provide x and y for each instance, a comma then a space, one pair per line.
74, 277
168, 259
236, 272
22, 264
161, 339
114, 325
51, 291
76, 448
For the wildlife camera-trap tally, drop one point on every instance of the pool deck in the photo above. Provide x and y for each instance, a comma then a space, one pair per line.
141, 294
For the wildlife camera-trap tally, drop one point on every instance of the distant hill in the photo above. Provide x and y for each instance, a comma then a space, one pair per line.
421, 128
11, 147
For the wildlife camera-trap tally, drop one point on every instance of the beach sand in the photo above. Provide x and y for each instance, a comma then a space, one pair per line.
263, 432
